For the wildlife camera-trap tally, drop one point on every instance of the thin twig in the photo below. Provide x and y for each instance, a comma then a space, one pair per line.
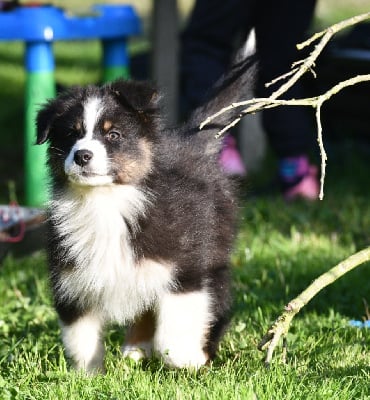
282, 77
335, 28
281, 326
320, 101
322, 148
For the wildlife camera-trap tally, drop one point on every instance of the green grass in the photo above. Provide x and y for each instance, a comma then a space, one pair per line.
280, 249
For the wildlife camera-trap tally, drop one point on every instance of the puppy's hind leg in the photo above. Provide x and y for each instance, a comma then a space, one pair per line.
83, 343
139, 337
183, 325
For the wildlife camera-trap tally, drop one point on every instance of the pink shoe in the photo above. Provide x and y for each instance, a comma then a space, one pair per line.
230, 159
308, 188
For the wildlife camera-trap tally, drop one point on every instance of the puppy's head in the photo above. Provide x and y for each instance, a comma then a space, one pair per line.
101, 136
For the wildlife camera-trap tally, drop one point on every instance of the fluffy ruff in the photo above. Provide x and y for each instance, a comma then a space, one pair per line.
141, 222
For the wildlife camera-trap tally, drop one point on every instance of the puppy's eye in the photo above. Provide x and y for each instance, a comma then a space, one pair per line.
113, 136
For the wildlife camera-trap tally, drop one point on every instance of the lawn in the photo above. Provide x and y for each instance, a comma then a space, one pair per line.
279, 250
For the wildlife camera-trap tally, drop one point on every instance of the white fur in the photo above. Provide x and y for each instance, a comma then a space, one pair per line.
98, 165
93, 108
92, 225
250, 44
182, 325
137, 351
82, 341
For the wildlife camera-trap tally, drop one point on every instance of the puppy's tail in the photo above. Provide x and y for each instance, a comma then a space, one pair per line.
235, 86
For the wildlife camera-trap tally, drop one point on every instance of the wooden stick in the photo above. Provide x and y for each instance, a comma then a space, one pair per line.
281, 325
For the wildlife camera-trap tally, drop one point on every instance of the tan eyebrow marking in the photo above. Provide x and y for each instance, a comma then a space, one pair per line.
78, 126
107, 125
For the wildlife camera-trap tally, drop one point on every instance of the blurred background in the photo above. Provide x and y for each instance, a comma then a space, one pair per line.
346, 118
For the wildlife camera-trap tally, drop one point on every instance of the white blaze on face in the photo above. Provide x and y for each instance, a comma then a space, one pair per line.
95, 173
92, 110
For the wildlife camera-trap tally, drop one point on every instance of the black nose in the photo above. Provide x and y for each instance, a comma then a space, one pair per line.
82, 157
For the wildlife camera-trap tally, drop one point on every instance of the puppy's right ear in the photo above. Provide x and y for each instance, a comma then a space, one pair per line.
44, 121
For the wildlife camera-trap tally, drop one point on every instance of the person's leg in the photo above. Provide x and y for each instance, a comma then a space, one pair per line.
208, 44
279, 27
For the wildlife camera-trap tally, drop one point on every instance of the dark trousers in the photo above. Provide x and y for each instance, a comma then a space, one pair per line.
208, 43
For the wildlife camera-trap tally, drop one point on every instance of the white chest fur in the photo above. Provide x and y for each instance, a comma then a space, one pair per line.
92, 226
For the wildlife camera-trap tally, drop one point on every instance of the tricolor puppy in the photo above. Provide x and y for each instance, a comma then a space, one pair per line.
141, 222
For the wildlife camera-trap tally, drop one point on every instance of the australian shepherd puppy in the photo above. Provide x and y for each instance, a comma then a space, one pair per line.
141, 221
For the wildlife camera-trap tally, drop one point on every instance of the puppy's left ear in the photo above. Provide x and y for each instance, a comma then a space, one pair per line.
139, 96
44, 121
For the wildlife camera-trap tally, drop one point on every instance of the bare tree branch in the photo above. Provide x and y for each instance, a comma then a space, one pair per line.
299, 69
335, 29
280, 327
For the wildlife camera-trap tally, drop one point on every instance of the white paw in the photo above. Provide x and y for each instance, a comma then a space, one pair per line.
137, 351
181, 358
83, 344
